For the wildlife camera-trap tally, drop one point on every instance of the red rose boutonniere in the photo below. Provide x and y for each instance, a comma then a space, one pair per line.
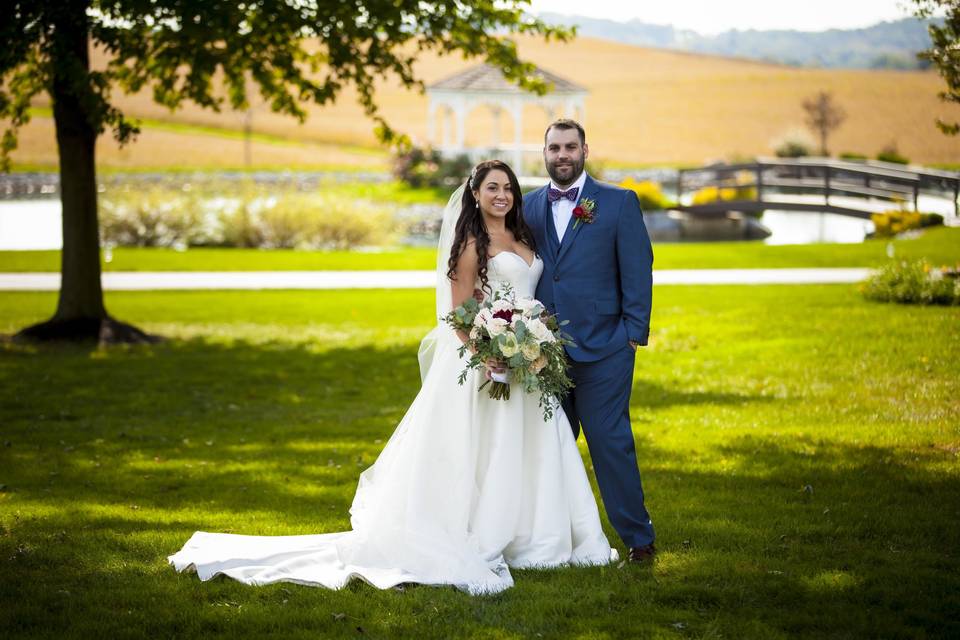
585, 211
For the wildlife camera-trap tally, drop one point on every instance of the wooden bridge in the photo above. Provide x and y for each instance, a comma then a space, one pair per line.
762, 181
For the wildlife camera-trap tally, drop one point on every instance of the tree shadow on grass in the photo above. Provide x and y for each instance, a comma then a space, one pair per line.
115, 458
650, 395
235, 426
746, 553
824, 537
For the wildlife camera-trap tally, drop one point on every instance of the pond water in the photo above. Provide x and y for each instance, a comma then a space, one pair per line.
800, 227
30, 224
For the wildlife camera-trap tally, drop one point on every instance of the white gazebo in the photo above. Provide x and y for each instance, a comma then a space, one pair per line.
453, 99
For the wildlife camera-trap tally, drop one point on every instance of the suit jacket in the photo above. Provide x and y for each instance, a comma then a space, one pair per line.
600, 277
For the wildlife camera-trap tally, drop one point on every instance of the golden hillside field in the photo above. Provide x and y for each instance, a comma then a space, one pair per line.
646, 106
168, 148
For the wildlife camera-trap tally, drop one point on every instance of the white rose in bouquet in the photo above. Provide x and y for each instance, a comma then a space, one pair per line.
496, 326
509, 347
540, 331
530, 351
501, 305
529, 307
482, 318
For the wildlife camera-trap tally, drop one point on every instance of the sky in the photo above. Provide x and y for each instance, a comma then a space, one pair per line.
714, 16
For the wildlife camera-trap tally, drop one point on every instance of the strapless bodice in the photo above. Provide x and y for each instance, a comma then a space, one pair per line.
510, 268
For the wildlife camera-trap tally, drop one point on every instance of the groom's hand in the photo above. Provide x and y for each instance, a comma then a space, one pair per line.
634, 345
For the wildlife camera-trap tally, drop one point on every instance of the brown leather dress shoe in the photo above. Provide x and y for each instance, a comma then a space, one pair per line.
642, 554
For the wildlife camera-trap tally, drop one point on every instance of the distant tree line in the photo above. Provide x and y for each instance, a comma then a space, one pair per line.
887, 45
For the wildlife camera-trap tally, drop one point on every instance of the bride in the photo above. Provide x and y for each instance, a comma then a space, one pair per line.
467, 486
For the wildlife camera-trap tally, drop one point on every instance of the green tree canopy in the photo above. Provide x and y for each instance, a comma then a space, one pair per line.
944, 52
209, 52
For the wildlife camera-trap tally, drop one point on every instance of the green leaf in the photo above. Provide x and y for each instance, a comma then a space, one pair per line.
521, 331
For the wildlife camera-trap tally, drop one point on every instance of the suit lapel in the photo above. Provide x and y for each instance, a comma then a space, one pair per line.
549, 228
589, 191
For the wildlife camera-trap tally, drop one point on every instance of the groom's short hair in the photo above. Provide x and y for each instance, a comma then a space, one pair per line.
564, 124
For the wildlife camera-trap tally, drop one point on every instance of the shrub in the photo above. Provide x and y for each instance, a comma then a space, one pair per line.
288, 222
890, 154
345, 225
931, 220
238, 224
650, 195
424, 167
305, 220
250, 216
416, 165
890, 223
795, 144
914, 283
792, 149
714, 193
853, 156
150, 216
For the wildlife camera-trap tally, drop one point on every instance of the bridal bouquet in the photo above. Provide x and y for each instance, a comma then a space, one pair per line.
520, 333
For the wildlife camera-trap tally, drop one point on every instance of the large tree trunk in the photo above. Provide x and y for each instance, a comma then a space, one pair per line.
81, 295
80, 314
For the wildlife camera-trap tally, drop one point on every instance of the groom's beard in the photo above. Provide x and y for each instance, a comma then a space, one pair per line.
564, 175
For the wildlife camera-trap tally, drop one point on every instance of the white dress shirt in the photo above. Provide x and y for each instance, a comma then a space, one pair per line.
563, 208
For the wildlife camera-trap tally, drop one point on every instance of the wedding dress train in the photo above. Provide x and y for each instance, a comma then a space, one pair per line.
465, 488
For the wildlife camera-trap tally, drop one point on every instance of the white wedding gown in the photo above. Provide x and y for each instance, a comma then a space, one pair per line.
466, 487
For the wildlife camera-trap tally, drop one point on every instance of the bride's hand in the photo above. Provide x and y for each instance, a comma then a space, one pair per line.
495, 365
478, 295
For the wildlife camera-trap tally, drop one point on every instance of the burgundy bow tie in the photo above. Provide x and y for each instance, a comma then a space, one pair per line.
570, 194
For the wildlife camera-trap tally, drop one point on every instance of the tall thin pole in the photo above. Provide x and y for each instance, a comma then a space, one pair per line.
247, 135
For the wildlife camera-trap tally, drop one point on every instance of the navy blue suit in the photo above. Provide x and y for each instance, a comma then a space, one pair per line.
600, 279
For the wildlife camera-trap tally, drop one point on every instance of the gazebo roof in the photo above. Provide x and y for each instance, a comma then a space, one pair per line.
485, 78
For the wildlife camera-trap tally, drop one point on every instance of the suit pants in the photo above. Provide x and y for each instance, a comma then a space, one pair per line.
600, 402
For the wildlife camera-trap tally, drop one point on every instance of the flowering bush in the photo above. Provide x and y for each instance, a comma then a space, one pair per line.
316, 221
710, 194
914, 283
889, 223
650, 195
150, 216
425, 167
240, 216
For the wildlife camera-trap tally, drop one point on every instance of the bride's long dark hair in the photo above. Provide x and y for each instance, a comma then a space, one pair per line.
470, 223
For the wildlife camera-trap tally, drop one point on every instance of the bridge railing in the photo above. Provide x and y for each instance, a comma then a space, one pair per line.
826, 177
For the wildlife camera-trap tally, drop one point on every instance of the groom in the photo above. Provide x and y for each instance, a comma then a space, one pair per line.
598, 275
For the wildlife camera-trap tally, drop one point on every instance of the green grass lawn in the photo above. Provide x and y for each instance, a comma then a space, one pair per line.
941, 246
799, 448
